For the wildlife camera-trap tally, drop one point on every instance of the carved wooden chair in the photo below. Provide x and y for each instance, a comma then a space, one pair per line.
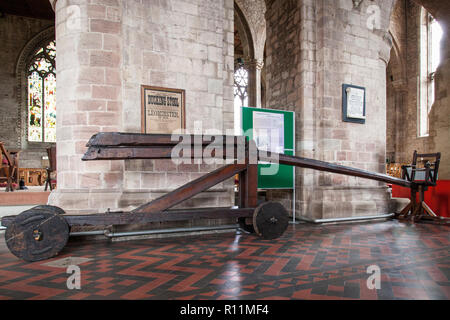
10, 167
51, 152
423, 173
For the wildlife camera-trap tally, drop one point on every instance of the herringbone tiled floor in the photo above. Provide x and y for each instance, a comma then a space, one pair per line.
308, 262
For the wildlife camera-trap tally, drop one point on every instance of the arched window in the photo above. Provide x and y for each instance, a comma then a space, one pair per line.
430, 40
240, 95
240, 87
41, 93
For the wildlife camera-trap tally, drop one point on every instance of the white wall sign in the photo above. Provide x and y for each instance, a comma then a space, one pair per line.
268, 131
355, 103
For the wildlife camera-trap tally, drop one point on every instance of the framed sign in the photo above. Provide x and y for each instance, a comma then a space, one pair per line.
162, 110
353, 104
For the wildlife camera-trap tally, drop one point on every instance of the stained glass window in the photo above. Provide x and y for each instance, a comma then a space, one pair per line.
42, 95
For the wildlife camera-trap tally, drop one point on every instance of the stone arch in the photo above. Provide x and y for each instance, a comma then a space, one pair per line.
253, 11
244, 32
23, 60
398, 56
396, 91
439, 9
251, 24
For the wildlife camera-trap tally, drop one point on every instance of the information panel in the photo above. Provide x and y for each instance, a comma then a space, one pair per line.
272, 130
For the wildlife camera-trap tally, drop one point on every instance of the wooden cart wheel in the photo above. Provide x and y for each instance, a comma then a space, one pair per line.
37, 234
270, 220
51, 209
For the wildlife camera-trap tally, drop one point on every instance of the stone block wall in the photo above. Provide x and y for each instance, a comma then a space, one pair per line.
402, 84
19, 37
396, 80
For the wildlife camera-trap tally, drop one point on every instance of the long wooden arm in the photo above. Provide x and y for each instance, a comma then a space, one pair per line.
119, 139
114, 145
330, 167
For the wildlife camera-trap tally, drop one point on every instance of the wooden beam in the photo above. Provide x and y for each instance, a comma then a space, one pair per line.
129, 143
103, 153
242, 189
330, 167
405, 210
191, 189
252, 185
123, 218
428, 209
153, 152
119, 139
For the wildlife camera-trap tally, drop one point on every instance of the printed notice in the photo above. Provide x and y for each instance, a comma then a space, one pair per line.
355, 103
268, 131
162, 110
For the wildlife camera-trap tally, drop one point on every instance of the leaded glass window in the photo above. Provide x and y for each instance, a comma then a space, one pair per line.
240, 96
41, 88
240, 87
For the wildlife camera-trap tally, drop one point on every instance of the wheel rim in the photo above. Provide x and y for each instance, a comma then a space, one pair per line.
37, 235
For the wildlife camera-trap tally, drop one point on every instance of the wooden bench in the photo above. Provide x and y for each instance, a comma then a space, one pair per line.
33, 176
394, 169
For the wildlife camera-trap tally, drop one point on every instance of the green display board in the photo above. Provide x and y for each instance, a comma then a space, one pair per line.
256, 123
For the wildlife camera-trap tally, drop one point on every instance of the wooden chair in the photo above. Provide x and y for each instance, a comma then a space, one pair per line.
51, 152
423, 173
10, 167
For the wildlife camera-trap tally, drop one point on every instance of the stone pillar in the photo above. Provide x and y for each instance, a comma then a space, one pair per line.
89, 90
254, 67
328, 44
106, 50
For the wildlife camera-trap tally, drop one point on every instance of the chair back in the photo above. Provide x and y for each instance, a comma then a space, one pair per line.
51, 152
423, 169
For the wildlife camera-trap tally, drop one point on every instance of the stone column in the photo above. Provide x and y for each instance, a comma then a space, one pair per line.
331, 43
254, 67
88, 101
105, 51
